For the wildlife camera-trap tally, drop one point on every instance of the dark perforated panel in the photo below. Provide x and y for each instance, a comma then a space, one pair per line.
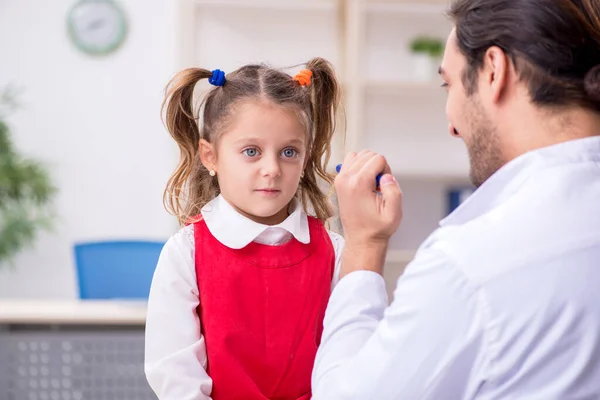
62, 365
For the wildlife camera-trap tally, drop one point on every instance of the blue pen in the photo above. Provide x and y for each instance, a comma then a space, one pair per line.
377, 179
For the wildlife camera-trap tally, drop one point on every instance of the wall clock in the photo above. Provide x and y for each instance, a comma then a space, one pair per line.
97, 27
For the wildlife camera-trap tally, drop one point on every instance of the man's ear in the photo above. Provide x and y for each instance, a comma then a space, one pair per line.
496, 68
208, 155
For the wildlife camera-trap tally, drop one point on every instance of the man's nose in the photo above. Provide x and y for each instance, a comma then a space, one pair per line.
453, 131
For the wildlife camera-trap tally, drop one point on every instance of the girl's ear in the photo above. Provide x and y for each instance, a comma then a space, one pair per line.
208, 155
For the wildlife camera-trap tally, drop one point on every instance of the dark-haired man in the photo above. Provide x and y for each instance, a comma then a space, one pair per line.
503, 300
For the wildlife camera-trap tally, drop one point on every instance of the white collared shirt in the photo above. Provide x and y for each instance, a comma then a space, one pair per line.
501, 302
175, 355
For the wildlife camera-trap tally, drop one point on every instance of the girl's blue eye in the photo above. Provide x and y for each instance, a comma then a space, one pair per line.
289, 153
251, 152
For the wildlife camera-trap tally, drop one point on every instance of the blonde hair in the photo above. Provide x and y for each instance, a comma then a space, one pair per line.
191, 186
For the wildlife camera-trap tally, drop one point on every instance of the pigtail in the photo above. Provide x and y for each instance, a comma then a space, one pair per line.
324, 94
190, 175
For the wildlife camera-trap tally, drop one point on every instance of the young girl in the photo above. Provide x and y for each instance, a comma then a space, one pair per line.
239, 294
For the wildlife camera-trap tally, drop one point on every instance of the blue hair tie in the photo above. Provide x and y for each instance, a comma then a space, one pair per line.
217, 78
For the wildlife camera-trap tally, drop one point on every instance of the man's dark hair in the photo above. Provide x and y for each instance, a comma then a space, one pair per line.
554, 45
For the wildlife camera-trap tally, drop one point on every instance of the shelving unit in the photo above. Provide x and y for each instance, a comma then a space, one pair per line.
386, 108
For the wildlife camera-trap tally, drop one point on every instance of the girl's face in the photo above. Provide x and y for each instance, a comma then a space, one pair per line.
259, 159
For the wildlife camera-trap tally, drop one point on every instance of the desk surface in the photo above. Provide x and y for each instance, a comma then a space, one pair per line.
74, 312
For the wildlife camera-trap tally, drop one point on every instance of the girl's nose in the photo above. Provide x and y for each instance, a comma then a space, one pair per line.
270, 167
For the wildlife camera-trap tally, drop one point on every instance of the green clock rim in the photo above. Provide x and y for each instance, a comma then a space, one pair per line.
118, 42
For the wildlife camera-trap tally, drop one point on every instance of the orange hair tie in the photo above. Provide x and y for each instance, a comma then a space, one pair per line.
303, 77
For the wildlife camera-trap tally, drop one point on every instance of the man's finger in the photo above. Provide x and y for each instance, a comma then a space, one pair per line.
348, 164
376, 165
349, 159
392, 198
359, 161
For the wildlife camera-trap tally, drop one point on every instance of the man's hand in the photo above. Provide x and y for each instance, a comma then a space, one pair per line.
369, 217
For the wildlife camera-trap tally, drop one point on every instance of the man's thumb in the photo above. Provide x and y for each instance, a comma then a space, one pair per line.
392, 195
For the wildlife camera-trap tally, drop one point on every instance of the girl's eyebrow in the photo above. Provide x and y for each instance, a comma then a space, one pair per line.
295, 141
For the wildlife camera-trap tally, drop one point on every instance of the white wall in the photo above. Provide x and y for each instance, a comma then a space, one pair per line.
96, 123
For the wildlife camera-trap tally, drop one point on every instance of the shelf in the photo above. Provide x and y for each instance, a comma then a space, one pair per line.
270, 5
441, 177
411, 131
78, 312
386, 50
409, 2
408, 7
404, 172
422, 176
399, 87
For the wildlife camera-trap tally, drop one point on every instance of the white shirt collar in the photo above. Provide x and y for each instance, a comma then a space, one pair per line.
236, 231
508, 179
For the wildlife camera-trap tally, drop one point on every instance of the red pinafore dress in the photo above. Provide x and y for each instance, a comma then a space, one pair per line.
261, 311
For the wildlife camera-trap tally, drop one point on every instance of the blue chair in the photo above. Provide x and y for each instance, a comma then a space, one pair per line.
116, 269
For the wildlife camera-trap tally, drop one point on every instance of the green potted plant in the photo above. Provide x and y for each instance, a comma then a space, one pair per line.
427, 52
26, 192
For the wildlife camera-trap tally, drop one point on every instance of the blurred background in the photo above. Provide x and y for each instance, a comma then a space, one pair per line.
84, 157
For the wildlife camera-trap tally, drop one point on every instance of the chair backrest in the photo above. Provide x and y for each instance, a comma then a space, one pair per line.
116, 269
